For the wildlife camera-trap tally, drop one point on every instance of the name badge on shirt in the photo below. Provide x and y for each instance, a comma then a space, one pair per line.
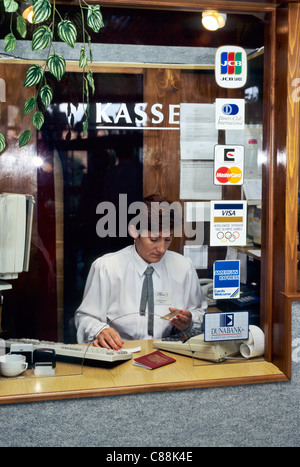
162, 298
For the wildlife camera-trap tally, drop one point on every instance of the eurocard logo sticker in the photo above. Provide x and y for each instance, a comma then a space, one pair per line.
229, 165
231, 66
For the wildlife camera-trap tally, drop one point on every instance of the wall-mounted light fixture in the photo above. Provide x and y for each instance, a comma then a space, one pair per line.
213, 20
28, 13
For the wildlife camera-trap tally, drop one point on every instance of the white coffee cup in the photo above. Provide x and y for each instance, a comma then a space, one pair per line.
12, 364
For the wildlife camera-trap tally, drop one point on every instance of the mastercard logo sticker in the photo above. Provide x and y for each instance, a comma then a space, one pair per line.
229, 175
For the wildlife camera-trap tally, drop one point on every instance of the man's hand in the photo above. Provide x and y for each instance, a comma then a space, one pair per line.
182, 320
109, 339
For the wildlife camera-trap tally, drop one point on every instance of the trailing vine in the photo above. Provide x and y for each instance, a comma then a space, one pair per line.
43, 38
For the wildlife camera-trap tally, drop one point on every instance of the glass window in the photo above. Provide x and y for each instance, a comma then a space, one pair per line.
159, 124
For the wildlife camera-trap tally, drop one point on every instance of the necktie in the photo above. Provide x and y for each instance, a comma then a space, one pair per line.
148, 296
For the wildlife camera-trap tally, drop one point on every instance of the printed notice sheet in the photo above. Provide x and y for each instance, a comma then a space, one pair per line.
198, 254
252, 189
196, 180
251, 139
196, 211
198, 134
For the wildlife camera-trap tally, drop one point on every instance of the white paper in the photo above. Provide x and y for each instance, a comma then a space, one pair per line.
231, 253
251, 139
196, 181
198, 134
243, 267
255, 345
134, 349
196, 211
197, 254
252, 189
255, 253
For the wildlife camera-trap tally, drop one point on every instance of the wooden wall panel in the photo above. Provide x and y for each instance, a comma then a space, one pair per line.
161, 147
18, 175
161, 164
30, 307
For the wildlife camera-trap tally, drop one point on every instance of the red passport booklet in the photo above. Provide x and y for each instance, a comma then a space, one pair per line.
153, 360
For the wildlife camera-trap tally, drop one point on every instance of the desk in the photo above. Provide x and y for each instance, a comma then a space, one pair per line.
125, 378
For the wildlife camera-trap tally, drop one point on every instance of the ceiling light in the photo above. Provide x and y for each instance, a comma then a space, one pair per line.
212, 20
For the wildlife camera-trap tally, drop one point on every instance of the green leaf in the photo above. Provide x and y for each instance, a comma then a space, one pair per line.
10, 6
41, 38
10, 42
94, 18
83, 58
2, 142
90, 48
34, 75
42, 11
67, 32
91, 81
86, 86
85, 127
22, 26
87, 109
29, 105
24, 138
38, 119
46, 95
56, 65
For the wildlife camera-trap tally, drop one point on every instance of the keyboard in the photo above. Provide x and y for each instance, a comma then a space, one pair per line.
74, 351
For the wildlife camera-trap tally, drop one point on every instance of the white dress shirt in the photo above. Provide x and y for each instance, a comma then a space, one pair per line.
113, 291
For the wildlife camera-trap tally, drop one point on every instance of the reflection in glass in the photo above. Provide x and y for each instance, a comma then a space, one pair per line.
75, 173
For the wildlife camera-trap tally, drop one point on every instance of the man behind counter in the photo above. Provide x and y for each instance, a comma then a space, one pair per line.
115, 307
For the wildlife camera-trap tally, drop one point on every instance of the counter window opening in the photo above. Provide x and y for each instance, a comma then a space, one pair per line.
211, 169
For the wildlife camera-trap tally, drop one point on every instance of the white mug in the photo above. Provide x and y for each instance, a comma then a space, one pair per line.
12, 364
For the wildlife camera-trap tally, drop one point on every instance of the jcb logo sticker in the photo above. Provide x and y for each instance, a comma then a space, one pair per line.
231, 66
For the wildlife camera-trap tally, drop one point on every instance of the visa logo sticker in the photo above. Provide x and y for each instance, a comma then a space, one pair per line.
228, 223
231, 66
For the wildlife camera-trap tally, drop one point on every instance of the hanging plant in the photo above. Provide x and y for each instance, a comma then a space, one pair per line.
43, 11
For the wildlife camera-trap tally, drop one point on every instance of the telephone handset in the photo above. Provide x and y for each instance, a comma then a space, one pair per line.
207, 286
196, 347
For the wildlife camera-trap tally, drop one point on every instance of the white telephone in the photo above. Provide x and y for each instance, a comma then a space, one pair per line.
207, 286
214, 351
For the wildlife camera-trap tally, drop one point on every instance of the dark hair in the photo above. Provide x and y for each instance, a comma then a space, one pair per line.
158, 212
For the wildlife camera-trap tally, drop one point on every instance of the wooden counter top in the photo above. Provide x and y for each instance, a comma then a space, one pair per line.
77, 380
